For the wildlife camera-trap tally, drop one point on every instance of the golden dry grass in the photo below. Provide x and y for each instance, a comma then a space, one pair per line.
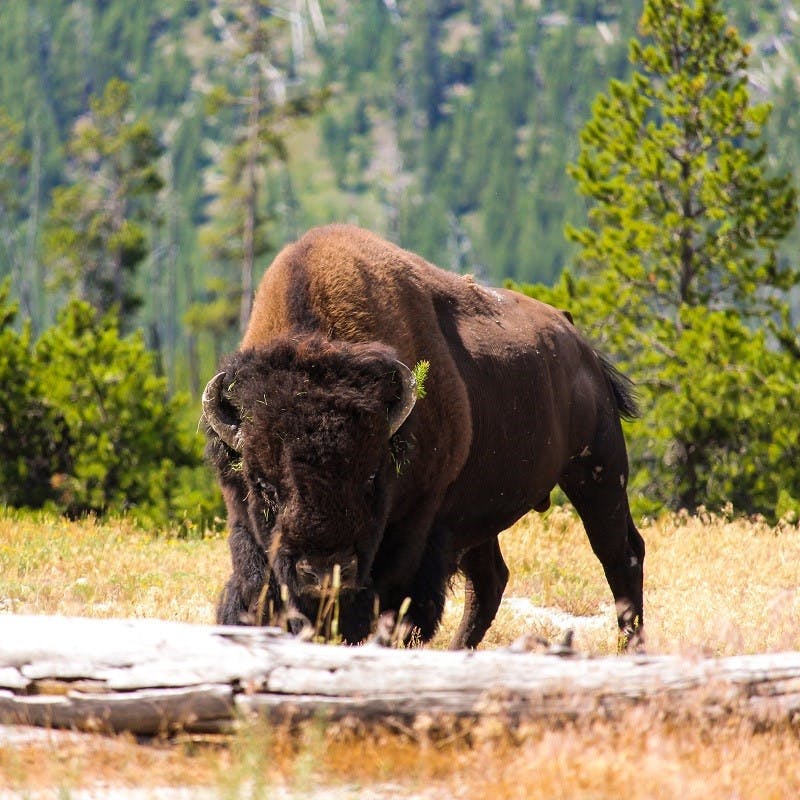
645, 758
713, 585
50, 565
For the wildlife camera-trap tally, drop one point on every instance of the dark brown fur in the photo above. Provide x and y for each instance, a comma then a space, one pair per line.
517, 402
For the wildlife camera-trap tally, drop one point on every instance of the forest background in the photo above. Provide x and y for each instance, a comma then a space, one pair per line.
143, 164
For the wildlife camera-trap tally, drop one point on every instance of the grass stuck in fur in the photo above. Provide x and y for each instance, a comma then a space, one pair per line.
713, 585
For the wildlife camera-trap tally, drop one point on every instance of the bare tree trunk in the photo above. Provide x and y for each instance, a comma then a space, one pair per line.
35, 304
165, 285
256, 100
192, 357
115, 255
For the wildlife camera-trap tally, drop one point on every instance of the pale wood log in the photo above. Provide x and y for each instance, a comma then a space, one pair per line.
143, 711
153, 676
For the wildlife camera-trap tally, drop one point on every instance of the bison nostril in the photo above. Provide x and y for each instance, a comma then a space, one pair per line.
310, 577
331, 573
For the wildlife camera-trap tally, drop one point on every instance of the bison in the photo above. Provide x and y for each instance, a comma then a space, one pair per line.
327, 456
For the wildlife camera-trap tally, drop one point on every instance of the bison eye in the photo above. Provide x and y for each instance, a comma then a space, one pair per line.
266, 491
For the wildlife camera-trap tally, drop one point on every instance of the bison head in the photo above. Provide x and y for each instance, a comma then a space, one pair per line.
309, 424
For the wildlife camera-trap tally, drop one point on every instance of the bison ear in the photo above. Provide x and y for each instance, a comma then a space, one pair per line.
398, 413
228, 430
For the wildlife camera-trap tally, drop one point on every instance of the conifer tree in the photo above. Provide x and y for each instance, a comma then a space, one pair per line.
680, 274
97, 229
684, 209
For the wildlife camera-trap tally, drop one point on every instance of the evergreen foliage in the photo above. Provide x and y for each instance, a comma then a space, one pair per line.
477, 184
680, 277
87, 425
478, 106
237, 233
254, 102
685, 208
34, 440
721, 429
14, 163
97, 234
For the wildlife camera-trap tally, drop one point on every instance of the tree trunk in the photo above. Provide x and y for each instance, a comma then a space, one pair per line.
153, 676
256, 101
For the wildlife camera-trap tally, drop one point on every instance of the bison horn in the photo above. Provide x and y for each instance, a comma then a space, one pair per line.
398, 414
229, 432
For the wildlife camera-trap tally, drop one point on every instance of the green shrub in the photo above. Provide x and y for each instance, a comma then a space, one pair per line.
34, 437
87, 426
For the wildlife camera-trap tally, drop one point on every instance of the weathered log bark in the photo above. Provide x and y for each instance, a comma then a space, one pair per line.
152, 676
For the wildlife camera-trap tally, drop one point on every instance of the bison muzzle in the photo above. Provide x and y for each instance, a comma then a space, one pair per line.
334, 471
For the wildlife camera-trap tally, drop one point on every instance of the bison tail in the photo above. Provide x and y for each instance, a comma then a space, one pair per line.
623, 389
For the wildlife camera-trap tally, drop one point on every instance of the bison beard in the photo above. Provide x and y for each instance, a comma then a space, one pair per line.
326, 457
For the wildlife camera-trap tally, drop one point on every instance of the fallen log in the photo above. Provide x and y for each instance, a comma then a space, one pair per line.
153, 676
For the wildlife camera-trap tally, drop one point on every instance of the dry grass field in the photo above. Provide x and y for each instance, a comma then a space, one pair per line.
713, 585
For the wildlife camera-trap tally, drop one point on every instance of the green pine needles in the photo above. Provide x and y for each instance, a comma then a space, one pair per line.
679, 276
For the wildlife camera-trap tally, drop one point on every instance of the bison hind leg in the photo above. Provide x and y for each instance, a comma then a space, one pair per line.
542, 505
486, 576
601, 501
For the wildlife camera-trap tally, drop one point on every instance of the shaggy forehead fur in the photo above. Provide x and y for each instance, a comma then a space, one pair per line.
313, 393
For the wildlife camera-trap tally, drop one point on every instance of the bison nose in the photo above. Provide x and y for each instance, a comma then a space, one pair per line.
317, 575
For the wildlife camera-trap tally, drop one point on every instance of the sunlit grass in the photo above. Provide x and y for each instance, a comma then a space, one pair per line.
712, 585
646, 758
50, 565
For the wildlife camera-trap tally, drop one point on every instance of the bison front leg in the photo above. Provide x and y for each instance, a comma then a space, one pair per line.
246, 596
486, 576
